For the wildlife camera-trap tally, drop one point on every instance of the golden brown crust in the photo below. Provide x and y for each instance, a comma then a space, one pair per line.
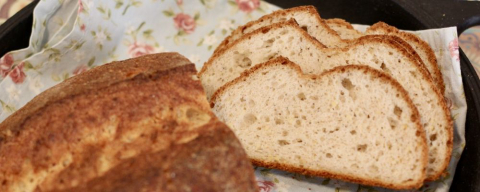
322, 173
432, 59
339, 22
97, 78
311, 9
183, 164
77, 131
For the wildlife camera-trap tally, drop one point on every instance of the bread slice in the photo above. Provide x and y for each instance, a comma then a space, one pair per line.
352, 123
343, 28
346, 31
420, 46
131, 126
309, 19
289, 40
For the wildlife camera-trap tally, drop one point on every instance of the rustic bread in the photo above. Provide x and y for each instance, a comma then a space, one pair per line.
343, 28
379, 53
309, 19
101, 130
352, 123
425, 52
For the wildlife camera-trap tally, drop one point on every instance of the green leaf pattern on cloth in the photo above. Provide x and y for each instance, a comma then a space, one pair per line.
72, 36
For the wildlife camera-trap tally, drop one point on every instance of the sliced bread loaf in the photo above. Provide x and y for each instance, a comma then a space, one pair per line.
379, 53
346, 31
352, 123
309, 19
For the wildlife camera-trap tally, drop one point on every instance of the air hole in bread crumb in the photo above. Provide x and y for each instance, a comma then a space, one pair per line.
389, 145
353, 132
384, 68
242, 99
284, 133
299, 140
355, 166
414, 74
397, 111
392, 122
305, 28
283, 32
347, 84
267, 119
298, 123
278, 121
390, 53
251, 103
249, 119
268, 43
283, 142
362, 148
328, 155
259, 128
433, 137
301, 96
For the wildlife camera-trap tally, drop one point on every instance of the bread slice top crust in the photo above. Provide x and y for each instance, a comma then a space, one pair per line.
287, 109
87, 125
307, 16
420, 46
309, 19
381, 53
343, 28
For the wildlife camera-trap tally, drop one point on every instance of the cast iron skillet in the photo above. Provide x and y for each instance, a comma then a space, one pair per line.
404, 14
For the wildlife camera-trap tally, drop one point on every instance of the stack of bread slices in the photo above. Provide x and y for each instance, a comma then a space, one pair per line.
317, 97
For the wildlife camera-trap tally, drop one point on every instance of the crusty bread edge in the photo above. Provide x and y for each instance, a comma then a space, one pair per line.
432, 59
91, 80
378, 74
340, 22
308, 8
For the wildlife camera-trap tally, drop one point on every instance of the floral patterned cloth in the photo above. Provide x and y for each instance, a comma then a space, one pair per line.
72, 36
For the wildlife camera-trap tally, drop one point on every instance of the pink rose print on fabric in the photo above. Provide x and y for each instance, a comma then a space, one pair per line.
80, 6
453, 47
80, 69
82, 27
6, 64
179, 2
265, 186
17, 74
248, 6
184, 22
139, 49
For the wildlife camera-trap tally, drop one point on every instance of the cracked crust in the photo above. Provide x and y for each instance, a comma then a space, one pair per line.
97, 130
